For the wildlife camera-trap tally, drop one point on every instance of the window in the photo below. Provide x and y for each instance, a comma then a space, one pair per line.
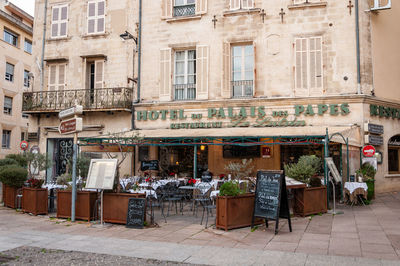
26, 78
9, 72
10, 37
308, 66
57, 77
305, 1
7, 109
28, 46
241, 4
233, 151
393, 155
59, 21
185, 75
22, 136
6, 139
95, 17
184, 8
242, 70
25, 116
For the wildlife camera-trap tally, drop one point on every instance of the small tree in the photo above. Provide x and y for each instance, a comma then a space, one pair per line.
19, 158
13, 175
240, 170
37, 162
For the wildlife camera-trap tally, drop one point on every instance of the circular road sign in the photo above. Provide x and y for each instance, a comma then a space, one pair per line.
368, 151
23, 145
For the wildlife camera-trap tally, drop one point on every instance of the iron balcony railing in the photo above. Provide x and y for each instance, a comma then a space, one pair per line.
186, 10
185, 91
242, 88
96, 99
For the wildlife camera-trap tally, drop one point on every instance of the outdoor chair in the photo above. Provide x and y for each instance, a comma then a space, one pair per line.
201, 195
170, 194
155, 202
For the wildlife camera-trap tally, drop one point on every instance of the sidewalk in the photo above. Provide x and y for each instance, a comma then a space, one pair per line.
361, 236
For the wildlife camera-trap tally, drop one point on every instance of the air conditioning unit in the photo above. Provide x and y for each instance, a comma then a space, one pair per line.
377, 5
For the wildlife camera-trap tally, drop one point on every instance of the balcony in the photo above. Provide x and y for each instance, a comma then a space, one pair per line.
183, 11
242, 88
104, 99
185, 92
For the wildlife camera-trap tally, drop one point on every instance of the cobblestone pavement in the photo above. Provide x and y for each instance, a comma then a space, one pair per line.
41, 256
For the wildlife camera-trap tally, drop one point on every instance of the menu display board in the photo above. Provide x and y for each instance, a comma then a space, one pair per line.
101, 173
271, 202
149, 165
135, 213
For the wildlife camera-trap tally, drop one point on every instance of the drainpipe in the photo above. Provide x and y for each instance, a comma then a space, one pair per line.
358, 48
140, 51
43, 46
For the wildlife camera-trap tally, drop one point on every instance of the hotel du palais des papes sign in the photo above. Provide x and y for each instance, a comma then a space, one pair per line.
230, 117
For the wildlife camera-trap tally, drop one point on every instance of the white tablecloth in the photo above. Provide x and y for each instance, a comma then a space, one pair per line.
52, 186
351, 186
143, 191
214, 194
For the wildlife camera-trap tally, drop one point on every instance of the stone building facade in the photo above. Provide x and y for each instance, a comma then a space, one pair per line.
236, 79
15, 65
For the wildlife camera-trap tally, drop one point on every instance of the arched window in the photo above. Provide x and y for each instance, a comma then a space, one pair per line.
394, 154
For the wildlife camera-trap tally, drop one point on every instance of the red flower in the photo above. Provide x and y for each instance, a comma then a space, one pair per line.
221, 176
192, 181
171, 174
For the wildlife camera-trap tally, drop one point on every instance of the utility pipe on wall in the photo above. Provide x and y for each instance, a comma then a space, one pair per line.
359, 91
43, 46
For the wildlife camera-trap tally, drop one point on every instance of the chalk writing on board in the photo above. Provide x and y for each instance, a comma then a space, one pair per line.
136, 212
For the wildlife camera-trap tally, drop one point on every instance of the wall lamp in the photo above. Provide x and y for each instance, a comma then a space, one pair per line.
126, 36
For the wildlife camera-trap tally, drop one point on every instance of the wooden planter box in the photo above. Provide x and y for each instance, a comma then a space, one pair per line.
84, 208
35, 200
116, 206
10, 196
309, 201
235, 212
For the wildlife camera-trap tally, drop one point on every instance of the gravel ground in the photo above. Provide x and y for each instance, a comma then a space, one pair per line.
41, 256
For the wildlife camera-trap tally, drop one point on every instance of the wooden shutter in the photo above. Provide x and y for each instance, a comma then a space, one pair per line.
202, 71
234, 4
100, 16
64, 21
166, 9
316, 66
201, 7
301, 67
254, 68
61, 77
55, 21
165, 74
91, 17
98, 74
247, 4
52, 77
226, 71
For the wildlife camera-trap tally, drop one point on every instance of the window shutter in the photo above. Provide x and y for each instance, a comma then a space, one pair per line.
52, 77
301, 76
61, 77
166, 9
91, 17
234, 4
99, 74
316, 71
201, 6
226, 66
64, 21
247, 4
100, 16
254, 69
165, 74
55, 22
202, 70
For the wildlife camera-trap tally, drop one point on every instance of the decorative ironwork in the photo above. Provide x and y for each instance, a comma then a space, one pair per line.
185, 91
186, 10
242, 88
104, 98
64, 150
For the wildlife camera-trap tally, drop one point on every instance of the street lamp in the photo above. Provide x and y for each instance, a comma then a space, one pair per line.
127, 36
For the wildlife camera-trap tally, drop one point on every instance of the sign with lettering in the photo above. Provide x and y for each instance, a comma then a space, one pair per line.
373, 140
136, 212
70, 126
383, 111
368, 151
101, 173
374, 128
149, 165
271, 202
76, 110
250, 116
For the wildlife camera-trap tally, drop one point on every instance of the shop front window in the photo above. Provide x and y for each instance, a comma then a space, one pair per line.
393, 155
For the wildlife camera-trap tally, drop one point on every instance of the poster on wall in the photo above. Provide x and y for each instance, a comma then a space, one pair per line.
266, 152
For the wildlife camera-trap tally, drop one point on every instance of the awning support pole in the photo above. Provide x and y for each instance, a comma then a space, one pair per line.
195, 162
326, 154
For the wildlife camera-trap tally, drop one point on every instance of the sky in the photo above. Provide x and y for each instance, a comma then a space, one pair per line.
27, 5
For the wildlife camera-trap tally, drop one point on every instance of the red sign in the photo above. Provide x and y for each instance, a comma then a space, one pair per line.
368, 151
23, 145
70, 126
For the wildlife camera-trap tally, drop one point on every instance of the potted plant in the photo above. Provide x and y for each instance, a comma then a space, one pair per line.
34, 197
85, 200
367, 171
313, 198
13, 177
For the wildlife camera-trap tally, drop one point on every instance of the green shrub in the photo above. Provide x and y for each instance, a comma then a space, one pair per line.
8, 161
307, 167
230, 188
20, 158
367, 171
13, 175
312, 160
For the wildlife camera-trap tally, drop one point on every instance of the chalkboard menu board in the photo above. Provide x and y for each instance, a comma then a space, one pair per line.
149, 165
271, 202
136, 212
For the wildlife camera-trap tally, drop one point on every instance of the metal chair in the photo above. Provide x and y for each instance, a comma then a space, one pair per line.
171, 194
155, 202
201, 195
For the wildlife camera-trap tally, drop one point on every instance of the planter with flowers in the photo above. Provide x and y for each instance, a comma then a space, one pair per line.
13, 176
313, 198
34, 197
192, 182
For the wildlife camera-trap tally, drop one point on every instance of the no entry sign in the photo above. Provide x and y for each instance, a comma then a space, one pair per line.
368, 151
